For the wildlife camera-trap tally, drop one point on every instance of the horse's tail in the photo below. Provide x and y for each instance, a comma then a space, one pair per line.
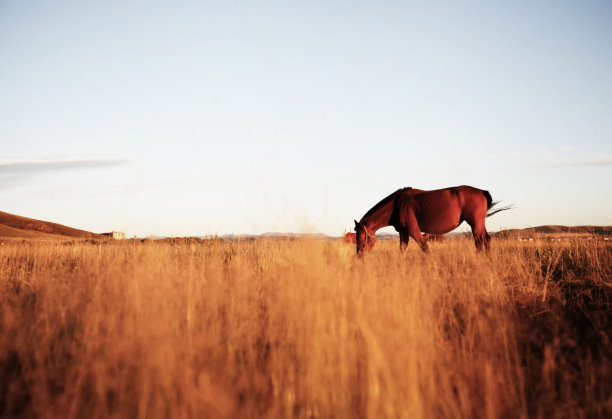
491, 204
489, 199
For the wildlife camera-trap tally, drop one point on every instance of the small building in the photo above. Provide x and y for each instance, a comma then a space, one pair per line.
119, 235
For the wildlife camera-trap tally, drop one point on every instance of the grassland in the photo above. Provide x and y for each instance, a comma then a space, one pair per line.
301, 328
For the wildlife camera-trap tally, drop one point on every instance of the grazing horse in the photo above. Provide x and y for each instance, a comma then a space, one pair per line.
350, 239
414, 211
430, 238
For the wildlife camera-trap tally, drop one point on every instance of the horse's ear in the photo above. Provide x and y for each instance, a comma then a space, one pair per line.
356, 223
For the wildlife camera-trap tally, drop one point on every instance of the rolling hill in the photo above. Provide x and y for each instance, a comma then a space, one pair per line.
557, 230
15, 226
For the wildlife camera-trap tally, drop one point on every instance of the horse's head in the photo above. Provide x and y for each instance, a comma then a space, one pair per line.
364, 241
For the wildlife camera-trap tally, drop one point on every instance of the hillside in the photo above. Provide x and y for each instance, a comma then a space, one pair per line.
16, 233
557, 230
15, 226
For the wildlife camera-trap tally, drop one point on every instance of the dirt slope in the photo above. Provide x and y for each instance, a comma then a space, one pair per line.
7, 232
22, 227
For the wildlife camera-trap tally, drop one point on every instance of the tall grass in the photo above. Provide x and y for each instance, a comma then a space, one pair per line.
302, 328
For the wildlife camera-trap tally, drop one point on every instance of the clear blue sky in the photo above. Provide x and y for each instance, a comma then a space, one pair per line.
192, 118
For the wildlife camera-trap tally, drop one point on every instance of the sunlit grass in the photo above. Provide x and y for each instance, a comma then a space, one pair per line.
302, 328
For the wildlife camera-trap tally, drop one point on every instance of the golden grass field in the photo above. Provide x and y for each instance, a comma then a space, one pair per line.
302, 328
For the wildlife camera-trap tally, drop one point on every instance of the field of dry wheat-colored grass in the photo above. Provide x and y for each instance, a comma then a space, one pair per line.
301, 328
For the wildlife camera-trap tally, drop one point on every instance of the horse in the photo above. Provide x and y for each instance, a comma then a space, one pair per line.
349, 238
415, 211
430, 238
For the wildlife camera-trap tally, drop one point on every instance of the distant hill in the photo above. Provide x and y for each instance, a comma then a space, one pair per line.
540, 231
277, 235
557, 230
274, 235
15, 226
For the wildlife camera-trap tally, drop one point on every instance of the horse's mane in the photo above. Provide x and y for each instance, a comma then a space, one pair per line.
384, 201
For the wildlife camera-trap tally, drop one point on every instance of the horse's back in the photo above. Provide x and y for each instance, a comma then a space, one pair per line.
439, 211
463, 194
474, 200
436, 211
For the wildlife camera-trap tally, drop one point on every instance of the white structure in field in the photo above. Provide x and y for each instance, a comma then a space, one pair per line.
115, 235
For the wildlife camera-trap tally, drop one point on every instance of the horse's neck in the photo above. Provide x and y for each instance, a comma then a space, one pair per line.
378, 219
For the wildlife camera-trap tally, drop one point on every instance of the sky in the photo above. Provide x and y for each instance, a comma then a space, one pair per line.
203, 118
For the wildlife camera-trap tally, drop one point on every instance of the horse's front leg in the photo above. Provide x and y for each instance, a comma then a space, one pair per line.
414, 231
422, 243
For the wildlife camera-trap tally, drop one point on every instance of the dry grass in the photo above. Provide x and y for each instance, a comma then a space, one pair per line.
301, 328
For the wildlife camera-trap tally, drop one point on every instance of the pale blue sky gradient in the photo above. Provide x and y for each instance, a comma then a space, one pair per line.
194, 118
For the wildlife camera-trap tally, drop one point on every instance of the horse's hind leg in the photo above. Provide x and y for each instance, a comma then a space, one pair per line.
404, 238
481, 237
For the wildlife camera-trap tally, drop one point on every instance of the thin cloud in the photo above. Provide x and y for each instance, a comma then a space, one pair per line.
9, 182
132, 189
30, 164
518, 154
598, 161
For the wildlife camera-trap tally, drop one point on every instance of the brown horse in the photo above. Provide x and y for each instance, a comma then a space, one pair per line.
431, 238
414, 211
350, 239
